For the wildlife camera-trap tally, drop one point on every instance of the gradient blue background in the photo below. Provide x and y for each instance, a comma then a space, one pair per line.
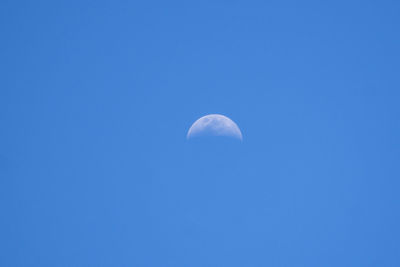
96, 98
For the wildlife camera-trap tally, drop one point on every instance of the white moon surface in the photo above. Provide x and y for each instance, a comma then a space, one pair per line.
214, 125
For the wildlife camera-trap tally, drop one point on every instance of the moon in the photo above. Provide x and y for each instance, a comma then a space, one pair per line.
214, 125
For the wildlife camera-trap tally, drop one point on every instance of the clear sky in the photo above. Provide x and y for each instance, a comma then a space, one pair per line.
96, 98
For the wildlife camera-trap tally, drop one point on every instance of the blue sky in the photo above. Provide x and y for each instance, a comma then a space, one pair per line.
96, 98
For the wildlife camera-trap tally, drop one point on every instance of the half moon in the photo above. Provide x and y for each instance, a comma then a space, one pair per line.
214, 125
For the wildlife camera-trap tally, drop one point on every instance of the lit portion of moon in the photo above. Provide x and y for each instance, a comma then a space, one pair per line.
214, 125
